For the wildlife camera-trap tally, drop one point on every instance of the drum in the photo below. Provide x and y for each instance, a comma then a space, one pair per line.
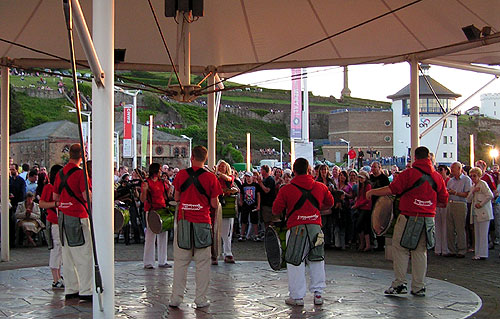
122, 217
161, 220
275, 245
229, 210
382, 215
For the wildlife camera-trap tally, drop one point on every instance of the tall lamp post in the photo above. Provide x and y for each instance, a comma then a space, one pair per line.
190, 143
281, 150
348, 143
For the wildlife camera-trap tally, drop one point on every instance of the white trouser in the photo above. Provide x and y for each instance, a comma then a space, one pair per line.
149, 247
78, 264
496, 212
182, 259
55, 259
481, 238
297, 276
441, 246
226, 233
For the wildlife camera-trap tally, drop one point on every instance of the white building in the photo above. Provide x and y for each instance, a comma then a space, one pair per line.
490, 104
442, 140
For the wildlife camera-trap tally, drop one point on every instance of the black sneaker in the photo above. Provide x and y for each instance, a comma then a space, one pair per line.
399, 290
86, 298
420, 293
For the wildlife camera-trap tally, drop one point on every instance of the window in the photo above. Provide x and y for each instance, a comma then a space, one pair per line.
183, 152
387, 138
495, 112
451, 154
451, 139
445, 155
176, 152
445, 139
450, 124
387, 123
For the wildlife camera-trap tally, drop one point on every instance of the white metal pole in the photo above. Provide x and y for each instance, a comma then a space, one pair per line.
190, 148
211, 124
348, 159
414, 106
102, 165
150, 139
281, 154
89, 135
134, 131
5, 163
248, 153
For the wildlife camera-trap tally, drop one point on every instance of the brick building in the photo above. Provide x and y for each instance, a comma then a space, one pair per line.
365, 128
48, 144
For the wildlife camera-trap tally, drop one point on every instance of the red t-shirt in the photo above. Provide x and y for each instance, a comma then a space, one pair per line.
155, 196
194, 206
69, 205
46, 196
289, 195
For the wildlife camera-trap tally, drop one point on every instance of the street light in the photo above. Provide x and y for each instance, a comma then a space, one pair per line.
348, 159
493, 154
281, 150
88, 130
190, 143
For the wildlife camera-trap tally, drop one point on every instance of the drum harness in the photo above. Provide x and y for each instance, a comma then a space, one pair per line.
193, 180
306, 196
424, 178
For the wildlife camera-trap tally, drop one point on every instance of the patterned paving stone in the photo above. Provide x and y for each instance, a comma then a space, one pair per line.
247, 289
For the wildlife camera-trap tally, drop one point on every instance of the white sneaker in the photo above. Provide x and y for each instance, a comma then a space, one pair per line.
294, 302
318, 300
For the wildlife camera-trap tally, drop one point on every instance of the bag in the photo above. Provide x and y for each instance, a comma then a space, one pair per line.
184, 237
430, 232
48, 235
317, 242
295, 245
202, 234
412, 232
72, 227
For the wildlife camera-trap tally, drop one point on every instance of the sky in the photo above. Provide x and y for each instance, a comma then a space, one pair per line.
376, 82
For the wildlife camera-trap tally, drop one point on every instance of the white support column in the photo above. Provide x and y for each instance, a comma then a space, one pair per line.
183, 48
5, 163
102, 164
414, 107
134, 131
211, 123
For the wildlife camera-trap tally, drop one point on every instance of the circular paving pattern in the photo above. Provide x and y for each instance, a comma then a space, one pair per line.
242, 290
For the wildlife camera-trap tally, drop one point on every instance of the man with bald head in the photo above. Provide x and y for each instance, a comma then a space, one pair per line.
458, 186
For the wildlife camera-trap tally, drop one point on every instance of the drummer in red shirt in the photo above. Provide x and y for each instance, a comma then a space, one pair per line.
47, 202
196, 191
154, 197
303, 199
70, 193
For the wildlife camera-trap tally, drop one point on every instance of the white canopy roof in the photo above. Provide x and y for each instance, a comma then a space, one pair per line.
236, 35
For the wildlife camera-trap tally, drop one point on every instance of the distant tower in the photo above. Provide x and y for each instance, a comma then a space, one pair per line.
345, 90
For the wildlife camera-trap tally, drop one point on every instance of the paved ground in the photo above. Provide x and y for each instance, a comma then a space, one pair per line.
481, 277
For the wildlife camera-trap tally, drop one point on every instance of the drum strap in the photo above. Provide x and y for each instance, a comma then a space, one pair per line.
64, 185
306, 196
424, 178
193, 179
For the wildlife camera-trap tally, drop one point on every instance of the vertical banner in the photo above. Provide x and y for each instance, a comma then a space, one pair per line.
127, 131
144, 144
296, 105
